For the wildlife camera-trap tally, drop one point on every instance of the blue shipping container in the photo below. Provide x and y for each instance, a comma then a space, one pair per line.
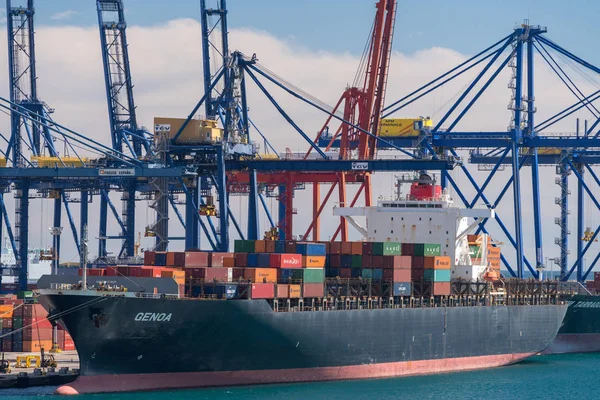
346, 261
160, 259
286, 273
311, 249
280, 246
402, 288
356, 273
263, 260
252, 260
377, 273
228, 291
333, 272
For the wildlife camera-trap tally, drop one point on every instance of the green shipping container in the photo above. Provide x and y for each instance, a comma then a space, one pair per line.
17, 322
356, 261
25, 295
377, 248
243, 246
436, 275
366, 273
432, 250
309, 275
391, 249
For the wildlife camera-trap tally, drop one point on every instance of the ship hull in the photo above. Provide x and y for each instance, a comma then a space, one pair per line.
124, 347
580, 332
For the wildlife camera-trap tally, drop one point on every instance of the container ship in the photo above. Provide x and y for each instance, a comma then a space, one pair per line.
418, 295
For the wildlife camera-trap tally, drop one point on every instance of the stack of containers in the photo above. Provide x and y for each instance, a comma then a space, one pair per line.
312, 273
594, 286
437, 271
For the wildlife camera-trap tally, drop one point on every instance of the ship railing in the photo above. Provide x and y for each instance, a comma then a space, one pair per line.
145, 295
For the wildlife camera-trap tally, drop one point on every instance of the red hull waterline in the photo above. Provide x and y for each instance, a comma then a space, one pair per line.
145, 382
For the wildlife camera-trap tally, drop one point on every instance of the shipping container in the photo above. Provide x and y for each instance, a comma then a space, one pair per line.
216, 259
241, 260
32, 310
310, 249
366, 261
222, 290
494, 252
396, 262
335, 261
407, 249
335, 248
262, 291
263, 260
597, 276
346, 260
402, 289
346, 247
346, 273
35, 346
270, 246
290, 247
367, 248
332, 272
196, 273
377, 261
261, 275
149, 257
160, 258
175, 259
495, 264
437, 262
244, 246
176, 275
377, 273
196, 259
39, 321
391, 249
418, 262
356, 261
313, 290
310, 275
36, 333
260, 246
295, 291
416, 274
313, 261
282, 291
229, 262
252, 260
356, 248
237, 273
441, 289
279, 246
437, 275
356, 273
398, 275
6, 311
366, 273
285, 274
218, 274
93, 271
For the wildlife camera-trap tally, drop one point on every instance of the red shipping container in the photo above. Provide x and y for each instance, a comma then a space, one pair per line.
216, 259
6, 345
397, 275
111, 271
396, 262
34, 333
241, 260
196, 273
346, 247
262, 291
417, 274
93, 271
149, 257
597, 276
290, 246
367, 261
37, 322
218, 274
376, 261
270, 246
313, 290
345, 273
335, 261
283, 291
237, 273
33, 310
175, 259
196, 259
418, 262
69, 345
335, 248
229, 262
367, 248
408, 249
356, 248
441, 288
285, 261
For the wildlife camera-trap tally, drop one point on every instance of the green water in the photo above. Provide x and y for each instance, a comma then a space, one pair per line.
573, 376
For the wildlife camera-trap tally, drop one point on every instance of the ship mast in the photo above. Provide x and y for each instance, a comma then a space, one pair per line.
84, 255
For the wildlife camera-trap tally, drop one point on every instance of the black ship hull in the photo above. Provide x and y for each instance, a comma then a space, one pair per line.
580, 332
128, 343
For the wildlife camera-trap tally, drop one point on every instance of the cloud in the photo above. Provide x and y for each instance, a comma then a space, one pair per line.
166, 64
64, 15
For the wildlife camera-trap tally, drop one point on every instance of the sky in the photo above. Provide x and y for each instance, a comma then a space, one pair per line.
316, 45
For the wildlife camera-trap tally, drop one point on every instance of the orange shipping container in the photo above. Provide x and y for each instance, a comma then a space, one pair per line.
35, 346
495, 264
438, 262
178, 276
6, 311
283, 291
356, 248
346, 247
313, 261
229, 262
260, 246
270, 246
494, 252
295, 291
261, 275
